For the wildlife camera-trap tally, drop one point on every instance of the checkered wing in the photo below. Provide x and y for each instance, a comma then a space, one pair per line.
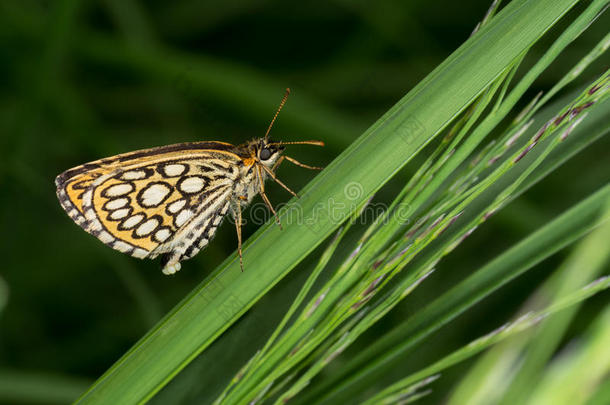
166, 200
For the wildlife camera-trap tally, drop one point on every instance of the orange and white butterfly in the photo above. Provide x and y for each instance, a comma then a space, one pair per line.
168, 201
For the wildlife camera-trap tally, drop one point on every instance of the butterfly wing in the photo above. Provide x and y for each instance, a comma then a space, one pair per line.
166, 200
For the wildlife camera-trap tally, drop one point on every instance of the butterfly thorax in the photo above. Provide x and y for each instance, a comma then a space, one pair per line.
248, 185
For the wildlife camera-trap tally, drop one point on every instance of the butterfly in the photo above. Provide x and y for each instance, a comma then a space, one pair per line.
168, 201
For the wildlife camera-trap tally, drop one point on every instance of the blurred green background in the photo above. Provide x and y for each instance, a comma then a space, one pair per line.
81, 80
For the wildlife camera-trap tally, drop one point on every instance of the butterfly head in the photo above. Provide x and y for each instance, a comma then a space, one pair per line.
266, 152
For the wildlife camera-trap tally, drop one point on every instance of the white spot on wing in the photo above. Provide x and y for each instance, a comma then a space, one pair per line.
120, 214
119, 190
122, 246
203, 243
95, 226
176, 206
174, 170
192, 185
147, 227
116, 204
182, 217
162, 234
139, 253
105, 237
87, 198
132, 221
134, 175
154, 194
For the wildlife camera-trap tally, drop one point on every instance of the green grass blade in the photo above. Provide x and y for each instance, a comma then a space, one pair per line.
518, 366
566, 382
309, 333
524, 322
391, 349
580, 268
370, 161
303, 292
601, 395
594, 127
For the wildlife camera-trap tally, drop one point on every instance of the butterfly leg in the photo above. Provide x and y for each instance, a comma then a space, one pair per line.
265, 198
237, 217
278, 163
272, 175
296, 162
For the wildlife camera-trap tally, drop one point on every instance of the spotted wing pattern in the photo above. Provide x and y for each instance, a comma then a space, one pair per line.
167, 200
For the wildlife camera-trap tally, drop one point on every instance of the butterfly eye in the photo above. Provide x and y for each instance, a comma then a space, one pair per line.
265, 154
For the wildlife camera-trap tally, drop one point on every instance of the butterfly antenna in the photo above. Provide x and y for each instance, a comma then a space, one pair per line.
277, 112
316, 143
